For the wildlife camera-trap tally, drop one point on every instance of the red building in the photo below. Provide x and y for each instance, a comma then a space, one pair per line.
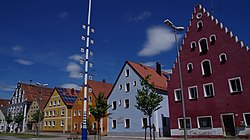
215, 68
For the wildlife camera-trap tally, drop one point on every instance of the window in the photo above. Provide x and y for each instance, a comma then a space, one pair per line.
54, 103
62, 122
208, 90
144, 122
189, 67
199, 15
134, 83
62, 112
50, 123
223, 58
212, 39
181, 123
127, 72
193, 45
114, 124
50, 104
127, 87
203, 46
90, 89
58, 102
235, 85
90, 98
177, 94
120, 87
246, 119
46, 123
53, 123
193, 92
205, 122
114, 105
54, 113
75, 126
79, 112
120, 102
199, 25
206, 68
50, 113
74, 113
127, 123
126, 103
46, 113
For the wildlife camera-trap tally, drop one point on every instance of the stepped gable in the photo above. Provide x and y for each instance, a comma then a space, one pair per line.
68, 95
98, 87
160, 81
211, 21
33, 91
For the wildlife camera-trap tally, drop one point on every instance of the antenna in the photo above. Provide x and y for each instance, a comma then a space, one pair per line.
211, 6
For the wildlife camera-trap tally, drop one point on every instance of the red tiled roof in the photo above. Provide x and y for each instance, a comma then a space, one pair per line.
98, 87
160, 81
4, 103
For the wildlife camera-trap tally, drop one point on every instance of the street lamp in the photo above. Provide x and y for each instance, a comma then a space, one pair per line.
40, 104
176, 28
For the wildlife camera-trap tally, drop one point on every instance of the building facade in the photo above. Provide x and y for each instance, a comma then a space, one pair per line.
94, 88
22, 99
125, 118
58, 110
216, 81
3, 113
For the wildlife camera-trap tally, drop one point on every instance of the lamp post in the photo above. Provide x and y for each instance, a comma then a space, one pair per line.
176, 28
40, 104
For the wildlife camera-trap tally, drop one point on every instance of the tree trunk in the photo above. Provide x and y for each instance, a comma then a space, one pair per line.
150, 128
145, 127
98, 130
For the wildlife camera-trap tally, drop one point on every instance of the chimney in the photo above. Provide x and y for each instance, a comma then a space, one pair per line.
103, 80
158, 68
72, 91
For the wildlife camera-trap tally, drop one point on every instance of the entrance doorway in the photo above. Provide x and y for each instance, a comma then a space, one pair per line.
228, 123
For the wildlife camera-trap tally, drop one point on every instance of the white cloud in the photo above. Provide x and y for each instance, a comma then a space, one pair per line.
138, 17
74, 70
68, 85
63, 15
24, 62
159, 39
7, 88
75, 57
17, 49
150, 64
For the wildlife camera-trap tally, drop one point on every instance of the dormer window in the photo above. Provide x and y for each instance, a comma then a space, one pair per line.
206, 68
212, 39
223, 58
199, 25
203, 46
189, 67
193, 45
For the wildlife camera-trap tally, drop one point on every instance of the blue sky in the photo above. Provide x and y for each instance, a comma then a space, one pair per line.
40, 40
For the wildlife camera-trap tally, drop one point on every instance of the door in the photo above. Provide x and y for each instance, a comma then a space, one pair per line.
166, 126
228, 122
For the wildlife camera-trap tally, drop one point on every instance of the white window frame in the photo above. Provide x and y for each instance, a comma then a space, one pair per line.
199, 15
90, 98
49, 123
125, 125
75, 111
50, 104
221, 55
113, 105
113, 124
54, 112
120, 87
125, 104
202, 68
230, 86
204, 117
189, 92
134, 83
58, 102
46, 113
90, 90
126, 89
79, 112
192, 67
54, 103
46, 123
210, 38
175, 97
62, 122
62, 112
75, 125
50, 113
245, 119
200, 50
53, 123
142, 124
179, 125
127, 71
191, 46
204, 90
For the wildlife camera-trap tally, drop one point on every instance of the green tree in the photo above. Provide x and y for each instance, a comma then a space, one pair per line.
35, 118
147, 100
8, 119
18, 119
99, 111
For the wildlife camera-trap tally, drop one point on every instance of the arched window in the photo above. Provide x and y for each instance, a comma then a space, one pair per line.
206, 68
223, 58
212, 39
203, 46
199, 25
189, 67
193, 45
